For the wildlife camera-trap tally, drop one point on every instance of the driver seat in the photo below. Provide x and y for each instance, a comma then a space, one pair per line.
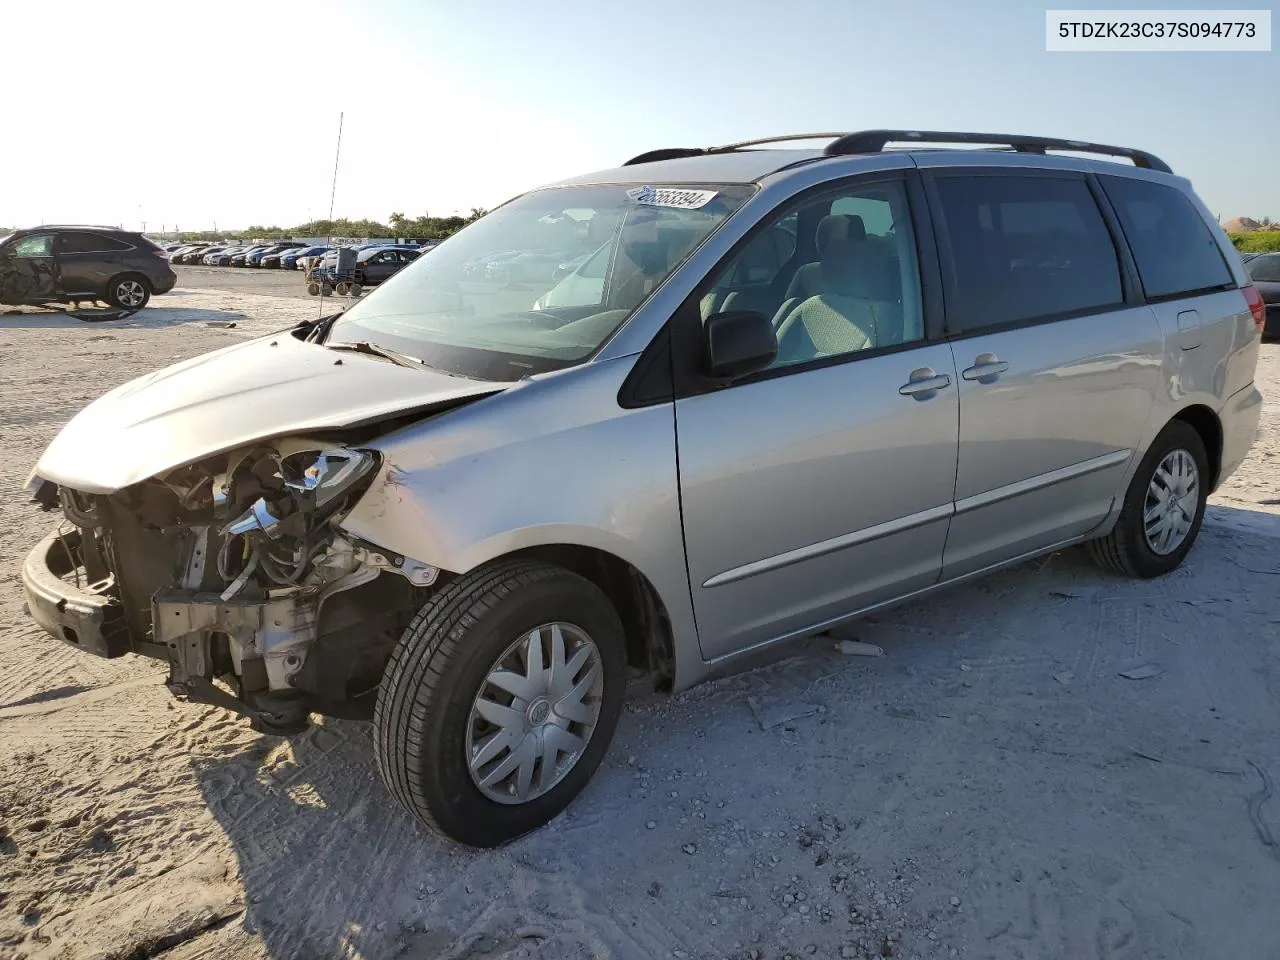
844, 317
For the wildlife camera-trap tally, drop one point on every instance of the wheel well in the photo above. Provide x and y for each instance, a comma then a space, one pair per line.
1206, 423
129, 275
644, 618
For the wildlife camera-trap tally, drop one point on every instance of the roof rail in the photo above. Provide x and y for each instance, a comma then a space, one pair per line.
676, 153
78, 226
669, 153
873, 141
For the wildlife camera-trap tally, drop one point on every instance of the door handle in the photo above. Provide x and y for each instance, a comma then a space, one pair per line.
924, 383
986, 368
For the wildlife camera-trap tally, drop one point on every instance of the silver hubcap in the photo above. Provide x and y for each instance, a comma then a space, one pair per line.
130, 293
1173, 496
535, 713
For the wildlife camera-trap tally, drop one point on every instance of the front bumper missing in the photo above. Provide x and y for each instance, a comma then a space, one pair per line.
257, 647
91, 618
87, 617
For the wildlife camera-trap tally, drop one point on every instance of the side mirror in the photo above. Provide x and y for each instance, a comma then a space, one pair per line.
736, 343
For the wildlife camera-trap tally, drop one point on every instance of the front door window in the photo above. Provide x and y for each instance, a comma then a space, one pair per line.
40, 245
854, 285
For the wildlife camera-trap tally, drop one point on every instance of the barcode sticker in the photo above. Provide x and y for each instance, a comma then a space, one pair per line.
671, 197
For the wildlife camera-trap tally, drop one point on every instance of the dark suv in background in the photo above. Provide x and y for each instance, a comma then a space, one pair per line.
60, 264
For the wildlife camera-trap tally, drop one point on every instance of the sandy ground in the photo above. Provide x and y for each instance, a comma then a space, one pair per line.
271, 282
992, 787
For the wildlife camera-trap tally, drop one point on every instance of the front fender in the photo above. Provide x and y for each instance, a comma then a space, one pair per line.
552, 461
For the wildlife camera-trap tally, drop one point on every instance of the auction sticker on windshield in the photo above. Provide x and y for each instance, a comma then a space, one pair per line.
671, 197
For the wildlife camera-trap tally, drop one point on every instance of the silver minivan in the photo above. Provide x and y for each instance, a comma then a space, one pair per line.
811, 383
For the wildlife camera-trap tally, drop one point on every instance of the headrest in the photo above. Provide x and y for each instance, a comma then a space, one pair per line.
856, 268
836, 268
841, 226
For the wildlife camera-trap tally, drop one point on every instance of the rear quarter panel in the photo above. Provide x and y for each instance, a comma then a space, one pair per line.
1229, 330
1220, 366
1223, 361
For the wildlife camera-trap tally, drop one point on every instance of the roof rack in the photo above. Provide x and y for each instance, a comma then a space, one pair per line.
874, 141
676, 153
77, 226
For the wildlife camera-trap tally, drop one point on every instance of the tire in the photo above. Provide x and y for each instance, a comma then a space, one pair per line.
343, 288
1128, 550
313, 289
356, 290
326, 290
129, 291
425, 714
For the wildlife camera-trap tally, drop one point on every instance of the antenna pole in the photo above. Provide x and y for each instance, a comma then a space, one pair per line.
337, 154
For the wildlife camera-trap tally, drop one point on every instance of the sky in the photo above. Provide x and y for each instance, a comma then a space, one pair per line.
190, 114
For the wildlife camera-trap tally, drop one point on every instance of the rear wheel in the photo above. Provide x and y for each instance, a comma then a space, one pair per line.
500, 701
1163, 507
129, 292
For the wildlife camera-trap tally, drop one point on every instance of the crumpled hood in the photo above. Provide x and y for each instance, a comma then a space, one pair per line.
252, 391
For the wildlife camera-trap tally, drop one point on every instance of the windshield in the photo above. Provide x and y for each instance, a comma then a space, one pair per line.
477, 305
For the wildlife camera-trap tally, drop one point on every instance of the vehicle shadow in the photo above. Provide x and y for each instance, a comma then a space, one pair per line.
331, 866
32, 319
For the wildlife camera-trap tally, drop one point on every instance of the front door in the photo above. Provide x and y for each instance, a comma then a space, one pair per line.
380, 266
824, 484
1058, 362
28, 270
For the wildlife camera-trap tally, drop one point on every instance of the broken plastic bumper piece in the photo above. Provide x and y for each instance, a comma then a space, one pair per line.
85, 616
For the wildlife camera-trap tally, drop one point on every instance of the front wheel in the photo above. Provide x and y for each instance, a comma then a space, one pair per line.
1163, 507
500, 700
129, 292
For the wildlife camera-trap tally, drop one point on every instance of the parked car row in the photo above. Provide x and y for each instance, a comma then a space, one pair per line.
236, 255
280, 255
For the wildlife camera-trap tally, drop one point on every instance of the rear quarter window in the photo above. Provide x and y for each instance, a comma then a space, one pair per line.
1175, 252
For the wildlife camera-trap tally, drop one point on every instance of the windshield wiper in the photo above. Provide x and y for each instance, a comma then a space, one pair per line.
373, 350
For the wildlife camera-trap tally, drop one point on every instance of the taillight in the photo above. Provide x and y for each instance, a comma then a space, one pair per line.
1256, 305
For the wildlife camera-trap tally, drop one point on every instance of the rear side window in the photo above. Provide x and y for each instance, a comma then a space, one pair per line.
1175, 252
1265, 269
90, 243
1024, 248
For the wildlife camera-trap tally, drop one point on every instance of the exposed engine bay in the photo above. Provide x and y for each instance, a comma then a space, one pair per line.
235, 569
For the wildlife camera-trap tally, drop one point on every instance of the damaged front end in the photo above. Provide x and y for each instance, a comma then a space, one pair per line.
234, 570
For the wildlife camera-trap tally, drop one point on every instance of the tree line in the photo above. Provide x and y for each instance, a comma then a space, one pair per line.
397, 225
1256, 241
